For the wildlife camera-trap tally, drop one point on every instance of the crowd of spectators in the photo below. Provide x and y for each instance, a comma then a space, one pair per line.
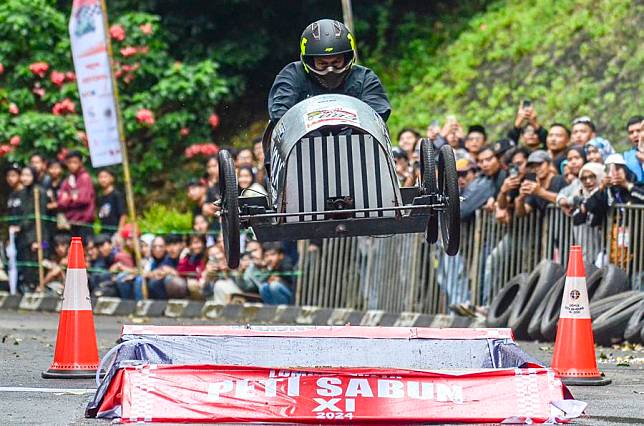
569, 166
191, 266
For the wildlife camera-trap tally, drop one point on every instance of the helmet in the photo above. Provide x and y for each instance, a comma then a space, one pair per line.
327, 37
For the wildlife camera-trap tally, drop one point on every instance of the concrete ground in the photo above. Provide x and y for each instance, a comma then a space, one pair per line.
27, 345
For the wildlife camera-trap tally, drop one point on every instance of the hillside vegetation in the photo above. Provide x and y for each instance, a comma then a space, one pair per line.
571, 57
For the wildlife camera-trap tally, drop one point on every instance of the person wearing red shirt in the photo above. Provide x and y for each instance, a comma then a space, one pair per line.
76, 197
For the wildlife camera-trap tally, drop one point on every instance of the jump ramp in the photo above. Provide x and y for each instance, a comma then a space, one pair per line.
326, 375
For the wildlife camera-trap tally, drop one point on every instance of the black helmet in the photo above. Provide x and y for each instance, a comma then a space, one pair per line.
327, 37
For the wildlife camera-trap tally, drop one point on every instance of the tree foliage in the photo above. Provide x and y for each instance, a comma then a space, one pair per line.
166, 102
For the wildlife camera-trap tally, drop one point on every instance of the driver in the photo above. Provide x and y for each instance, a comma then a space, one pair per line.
326, 65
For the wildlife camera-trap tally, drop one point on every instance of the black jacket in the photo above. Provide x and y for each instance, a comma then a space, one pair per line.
292, 85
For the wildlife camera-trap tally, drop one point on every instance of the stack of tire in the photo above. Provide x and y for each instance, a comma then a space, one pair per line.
529, 304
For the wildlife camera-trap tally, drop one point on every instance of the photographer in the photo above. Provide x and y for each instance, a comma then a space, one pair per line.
540, 185
518, 160
527, 129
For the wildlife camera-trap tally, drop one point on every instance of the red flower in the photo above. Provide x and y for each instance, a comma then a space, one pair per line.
66, 106
117, 32
184, 132
143, 49
128, 78
146, 28
131, 68
145, 116
83, 137
213, 120
38, 90
13, 109
58, 78
5, 149
39, 68
129, 51
70, 76
1, 68
14, 141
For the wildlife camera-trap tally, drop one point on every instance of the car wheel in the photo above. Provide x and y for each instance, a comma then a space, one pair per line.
429, 185
450, 215
229, 208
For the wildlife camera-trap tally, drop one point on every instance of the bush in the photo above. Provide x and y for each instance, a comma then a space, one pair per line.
159, 219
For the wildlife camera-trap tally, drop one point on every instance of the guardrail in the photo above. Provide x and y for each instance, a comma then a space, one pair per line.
402, 273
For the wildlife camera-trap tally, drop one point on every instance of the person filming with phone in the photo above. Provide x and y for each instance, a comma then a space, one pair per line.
526, 129
540, 186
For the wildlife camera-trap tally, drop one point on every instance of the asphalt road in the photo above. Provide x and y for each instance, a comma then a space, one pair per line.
27, 345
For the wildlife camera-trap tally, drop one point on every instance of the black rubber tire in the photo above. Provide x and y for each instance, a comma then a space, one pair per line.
534, 326
600, 306
531, 295
229, 208
429, 185
609, 327
450, 216
635, 326
501, 306
550, 317
607, 281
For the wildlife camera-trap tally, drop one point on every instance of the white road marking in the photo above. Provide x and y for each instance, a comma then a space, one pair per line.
48, 390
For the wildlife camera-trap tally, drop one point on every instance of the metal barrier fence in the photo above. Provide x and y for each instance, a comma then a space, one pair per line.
403, 273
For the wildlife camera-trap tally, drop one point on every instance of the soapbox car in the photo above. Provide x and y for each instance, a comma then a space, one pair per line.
331, 174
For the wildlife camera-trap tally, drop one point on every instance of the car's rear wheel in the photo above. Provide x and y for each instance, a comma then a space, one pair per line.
229, 208
428, 185
450, 215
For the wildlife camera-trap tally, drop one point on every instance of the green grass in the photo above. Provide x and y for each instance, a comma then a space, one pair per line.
571, 57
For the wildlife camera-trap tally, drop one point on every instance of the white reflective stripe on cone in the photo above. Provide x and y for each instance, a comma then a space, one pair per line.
76, 294
574, 303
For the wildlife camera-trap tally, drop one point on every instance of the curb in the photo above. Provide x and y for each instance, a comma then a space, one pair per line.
241, 313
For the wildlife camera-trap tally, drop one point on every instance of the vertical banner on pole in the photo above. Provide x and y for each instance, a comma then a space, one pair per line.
95, 84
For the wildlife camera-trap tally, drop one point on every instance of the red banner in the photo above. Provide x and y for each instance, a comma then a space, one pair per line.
207, 393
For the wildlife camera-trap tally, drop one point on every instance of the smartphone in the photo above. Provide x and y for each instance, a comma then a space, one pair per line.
514, 170
531, 177
527, 103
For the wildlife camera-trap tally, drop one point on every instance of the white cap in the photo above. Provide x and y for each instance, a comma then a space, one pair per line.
615, 159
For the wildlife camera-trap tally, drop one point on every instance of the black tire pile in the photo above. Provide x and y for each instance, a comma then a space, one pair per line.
529, 304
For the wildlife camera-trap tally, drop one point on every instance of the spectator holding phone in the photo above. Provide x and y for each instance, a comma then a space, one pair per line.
518, 160
620, 182
434, 134
576, 158
540, 186
591, 205
526, 129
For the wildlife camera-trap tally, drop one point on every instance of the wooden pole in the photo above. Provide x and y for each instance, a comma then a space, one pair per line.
129, 195
41, 271
347, 16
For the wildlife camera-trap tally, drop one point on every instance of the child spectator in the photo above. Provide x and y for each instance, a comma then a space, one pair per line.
57, 265
100, 276
125, 268
55, 171
76, 198
110, 203
39, 164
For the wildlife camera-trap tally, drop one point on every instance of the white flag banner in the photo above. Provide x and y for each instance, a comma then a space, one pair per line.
94, 78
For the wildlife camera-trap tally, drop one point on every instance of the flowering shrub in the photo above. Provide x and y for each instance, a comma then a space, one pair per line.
167, 105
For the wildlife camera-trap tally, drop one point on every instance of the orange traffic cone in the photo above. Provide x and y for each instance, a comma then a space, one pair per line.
76, 354
574, 355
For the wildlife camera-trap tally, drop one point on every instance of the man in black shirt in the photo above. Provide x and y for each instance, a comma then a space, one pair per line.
540, 186
110, 203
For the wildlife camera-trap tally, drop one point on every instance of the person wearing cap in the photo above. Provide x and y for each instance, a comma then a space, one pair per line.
620, 182
475, 139
326, 65
557, 142
634, 157
76, 197
540, 186
527, 129
583, 131
466, 170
